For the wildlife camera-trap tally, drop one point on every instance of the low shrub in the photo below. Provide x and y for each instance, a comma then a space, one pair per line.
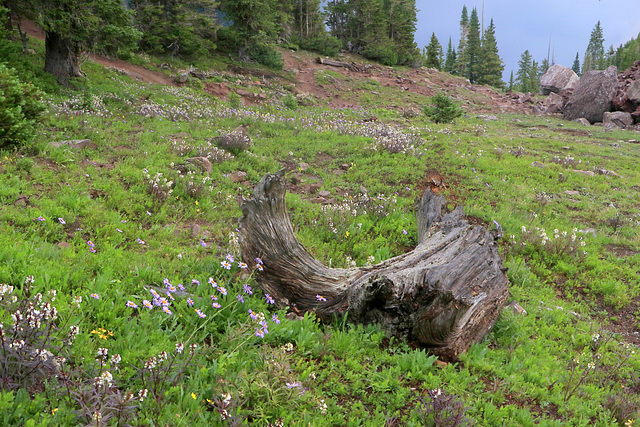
20, 106
442, 109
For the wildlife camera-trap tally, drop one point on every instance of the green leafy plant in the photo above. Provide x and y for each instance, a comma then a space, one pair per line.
20, 106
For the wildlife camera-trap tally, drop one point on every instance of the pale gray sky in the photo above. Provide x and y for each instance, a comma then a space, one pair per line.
533, 24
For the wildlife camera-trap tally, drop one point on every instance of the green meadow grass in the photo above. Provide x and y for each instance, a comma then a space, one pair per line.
88, 222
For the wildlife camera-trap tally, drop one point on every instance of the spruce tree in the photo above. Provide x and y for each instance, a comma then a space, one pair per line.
451, 59
534, 77
473, 50
576, 64
492, 66
402, 21
511, 82
524, 72
594, 56
434, 53
462, 46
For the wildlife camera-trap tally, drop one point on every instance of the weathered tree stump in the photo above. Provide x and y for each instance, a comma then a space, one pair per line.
446, 293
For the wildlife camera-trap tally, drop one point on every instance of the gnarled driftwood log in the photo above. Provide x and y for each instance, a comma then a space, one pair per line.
446, 293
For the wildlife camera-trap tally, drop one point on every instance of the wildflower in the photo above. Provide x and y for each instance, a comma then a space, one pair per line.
293, 384
216, 305
194, 396
268, 299
247, 289
275, 319
77, 300
40, 218
167, 310
320, 298
322, 406
203, 243
90, 243
239, 297
212, 282
92, 250
139, 240
116, 359
242, 265
404, 231
591, 365
62, 221
259, 267
195, 282
147, 304
190, 302
179, 347
162, 356
260, 333
595, 337
214, 298
95, 296
226, 265
222, 290
142, 394
253, 314
229, 258
200, 314
132, 304
258, 261
102, 352
119, 231
288, 347
148, 213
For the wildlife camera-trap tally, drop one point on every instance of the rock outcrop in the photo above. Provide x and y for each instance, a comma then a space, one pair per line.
558, 78
593, 95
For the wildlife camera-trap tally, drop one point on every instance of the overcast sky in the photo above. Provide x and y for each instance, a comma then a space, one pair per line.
533, 24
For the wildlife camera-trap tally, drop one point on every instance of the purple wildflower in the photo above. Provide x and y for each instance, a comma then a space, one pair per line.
320, 298
268, 299
247, 289
132, 304
239, 297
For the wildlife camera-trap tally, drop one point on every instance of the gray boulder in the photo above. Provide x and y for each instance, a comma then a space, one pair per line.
593, 95
557, 78
633, 91
554, 103
617, 119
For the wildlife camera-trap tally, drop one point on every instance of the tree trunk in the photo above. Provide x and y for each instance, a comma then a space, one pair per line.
61, 58
447, 293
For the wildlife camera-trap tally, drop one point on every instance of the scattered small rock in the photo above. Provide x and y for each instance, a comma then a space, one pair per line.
63, 245
583, 121
601, 171
303, 166
238, 176
517, 308
572, 193
587, 173
324, 194
537, 164
74, 144
201, 163
591, 231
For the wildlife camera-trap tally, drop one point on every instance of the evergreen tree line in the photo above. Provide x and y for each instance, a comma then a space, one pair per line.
476, 57
378, 29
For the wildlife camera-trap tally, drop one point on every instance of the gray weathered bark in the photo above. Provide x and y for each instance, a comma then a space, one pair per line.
61, 58
447, 293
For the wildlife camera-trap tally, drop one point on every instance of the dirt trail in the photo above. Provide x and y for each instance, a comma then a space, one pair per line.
136, 72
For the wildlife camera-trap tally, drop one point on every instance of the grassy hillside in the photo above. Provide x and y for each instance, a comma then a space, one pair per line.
104, 227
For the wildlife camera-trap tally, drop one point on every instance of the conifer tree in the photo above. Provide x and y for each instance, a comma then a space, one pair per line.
491, 65
462, 45
308, 20
534, 77
473, 49
524, 72
451, 60
402, 21
434, 53
576, 64
594, 56
511, 82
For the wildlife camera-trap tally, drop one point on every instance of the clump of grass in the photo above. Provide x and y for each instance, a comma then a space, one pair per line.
234, 142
